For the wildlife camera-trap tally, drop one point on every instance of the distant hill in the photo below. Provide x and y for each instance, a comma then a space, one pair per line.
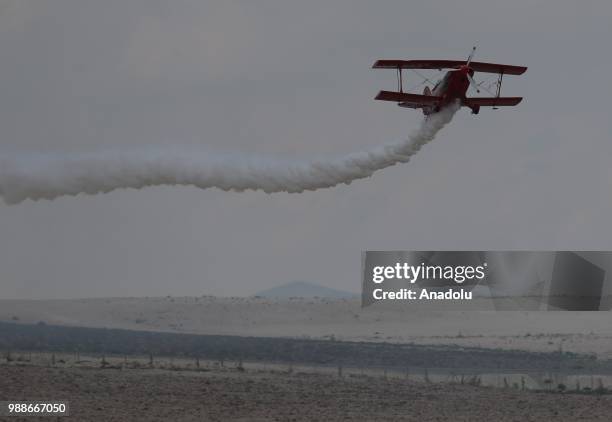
304, 289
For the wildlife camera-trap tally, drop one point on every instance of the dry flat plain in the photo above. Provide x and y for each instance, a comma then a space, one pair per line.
161, 392
232, 395
342, 319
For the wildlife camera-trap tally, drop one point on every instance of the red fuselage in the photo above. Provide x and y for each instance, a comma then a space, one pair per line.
451, 88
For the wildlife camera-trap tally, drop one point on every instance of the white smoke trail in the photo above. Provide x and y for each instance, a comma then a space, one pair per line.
49, 177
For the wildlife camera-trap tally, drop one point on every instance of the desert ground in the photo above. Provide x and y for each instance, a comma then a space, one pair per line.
129, 388
222, 394
342, 319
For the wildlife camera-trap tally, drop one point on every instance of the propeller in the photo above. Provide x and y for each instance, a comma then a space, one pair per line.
471, 56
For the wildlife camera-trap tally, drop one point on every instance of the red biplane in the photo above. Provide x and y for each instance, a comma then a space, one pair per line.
453, 86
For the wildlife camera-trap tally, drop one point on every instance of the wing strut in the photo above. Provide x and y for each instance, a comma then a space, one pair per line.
400, 82
499, 84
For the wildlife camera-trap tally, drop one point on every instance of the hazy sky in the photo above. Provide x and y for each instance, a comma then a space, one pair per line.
294, 79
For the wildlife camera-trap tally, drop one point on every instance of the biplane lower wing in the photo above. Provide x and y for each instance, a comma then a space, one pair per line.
449, 64
492, 101
409, 100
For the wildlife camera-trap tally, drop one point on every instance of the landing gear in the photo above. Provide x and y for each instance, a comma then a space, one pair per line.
476, 109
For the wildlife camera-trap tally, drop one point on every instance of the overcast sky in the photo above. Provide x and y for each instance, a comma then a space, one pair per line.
294, 79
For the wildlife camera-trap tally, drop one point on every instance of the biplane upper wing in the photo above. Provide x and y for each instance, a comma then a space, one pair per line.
506, 69
492, 101
409, 100
449, 64
417, 64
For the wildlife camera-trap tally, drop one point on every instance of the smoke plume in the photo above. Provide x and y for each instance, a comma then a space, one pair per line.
48, 177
